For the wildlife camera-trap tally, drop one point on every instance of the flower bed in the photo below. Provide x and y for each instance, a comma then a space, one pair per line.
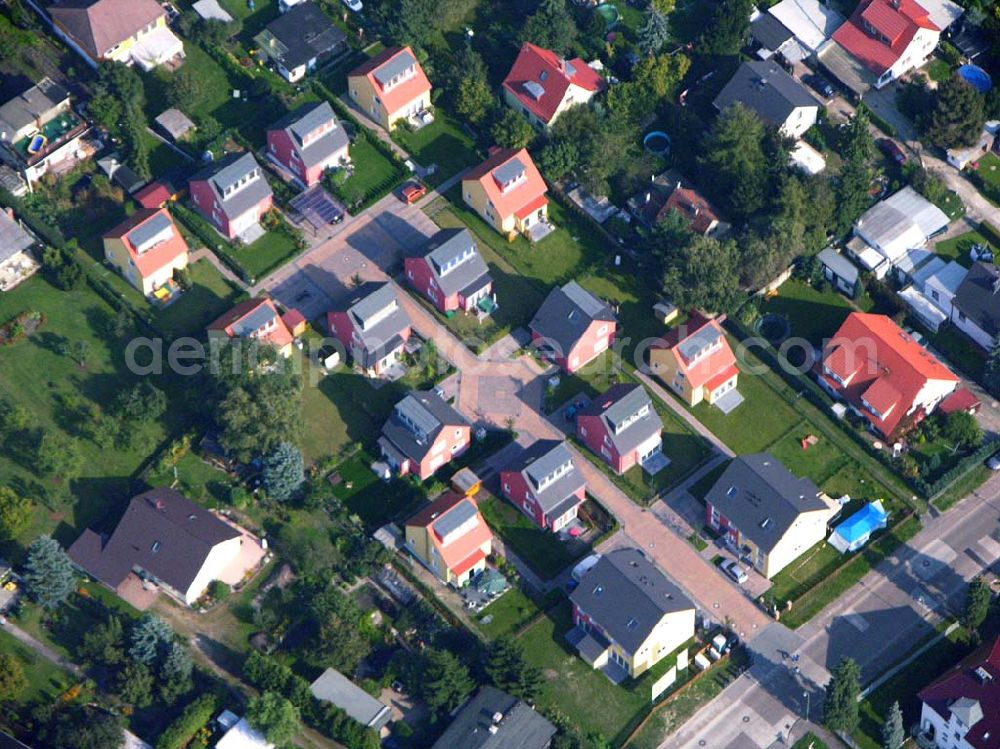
20, 327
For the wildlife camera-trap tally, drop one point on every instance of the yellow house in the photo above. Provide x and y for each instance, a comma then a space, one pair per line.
767, 515
125, 31
696, 361
390, 87
508, 192
450, 538
146, 249
628, 615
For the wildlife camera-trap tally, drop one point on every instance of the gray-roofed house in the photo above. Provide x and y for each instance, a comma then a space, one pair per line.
451, 273
374, 328
495, 720
297, 40
777, 98
545, 484
623, 428
335, 688
628, 615
16, 262
120, 173
164, 539
233, 194
308, 142
768, 516
975, 308
422, 434
839, 271
572, 327
174, 124
934, 286
770, 35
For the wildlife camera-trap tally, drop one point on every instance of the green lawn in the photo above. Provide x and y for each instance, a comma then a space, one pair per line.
507, 614
809, 741
989, 169
372, 170
194, 478
216, 91
939, 70
443, 144
209, 297
45, 681
958, 350
812, 314
273, 249
952, 205
376, 502
957, 248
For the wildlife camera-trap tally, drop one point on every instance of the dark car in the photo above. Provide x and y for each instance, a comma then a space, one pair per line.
820, 85
891, 149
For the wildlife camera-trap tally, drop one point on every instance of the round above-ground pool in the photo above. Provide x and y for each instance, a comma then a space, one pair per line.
976, 77
657, 143
774, 327
609, 13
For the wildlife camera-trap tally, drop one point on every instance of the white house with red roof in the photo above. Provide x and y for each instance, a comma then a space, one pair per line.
883, 374
961, 709
508, 191
541, 85
255, 319
390, 87
146, 249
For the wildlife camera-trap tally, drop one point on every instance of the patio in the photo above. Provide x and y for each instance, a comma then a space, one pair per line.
539, 231
252, 234
728, 402
655, 463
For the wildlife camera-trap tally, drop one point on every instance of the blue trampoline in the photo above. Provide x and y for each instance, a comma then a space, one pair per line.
854, 532
976, 77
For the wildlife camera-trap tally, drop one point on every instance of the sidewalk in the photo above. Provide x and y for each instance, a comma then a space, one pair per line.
40, 647
678, 409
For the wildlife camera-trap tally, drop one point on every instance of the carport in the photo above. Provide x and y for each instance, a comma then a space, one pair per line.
317, 208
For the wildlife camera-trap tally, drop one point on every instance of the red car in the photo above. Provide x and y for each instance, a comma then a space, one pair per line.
891, 149
413, 192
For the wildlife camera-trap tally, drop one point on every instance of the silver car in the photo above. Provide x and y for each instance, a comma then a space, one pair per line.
734, 571
993, 462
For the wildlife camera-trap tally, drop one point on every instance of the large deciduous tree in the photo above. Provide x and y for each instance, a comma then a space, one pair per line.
275, 717
977, 604
551, 26
728, 28
15, 513
704, 275
734, 164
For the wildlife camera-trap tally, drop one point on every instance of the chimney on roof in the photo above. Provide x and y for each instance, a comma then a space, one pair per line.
678, 185
649, 196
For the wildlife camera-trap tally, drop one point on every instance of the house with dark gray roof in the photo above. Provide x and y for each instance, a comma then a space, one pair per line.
495, 720
308, 142
374, 328
422, 434
628, 615
233, 194
451, 273
545, 484
623, 428
768, 516
572, 327
163, 539
297, 40
975, 308
777, 98
769, 35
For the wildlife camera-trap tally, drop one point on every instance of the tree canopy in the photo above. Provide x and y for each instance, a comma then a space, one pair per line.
841, 710
48, 573
958, 115
275, 717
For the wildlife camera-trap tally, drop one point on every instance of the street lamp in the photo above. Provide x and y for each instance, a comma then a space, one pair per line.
806, 695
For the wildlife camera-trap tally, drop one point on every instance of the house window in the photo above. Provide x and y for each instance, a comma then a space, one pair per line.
961, 316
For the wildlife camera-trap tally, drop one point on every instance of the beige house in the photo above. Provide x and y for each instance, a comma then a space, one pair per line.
146, 249
390, 87
450, 538
508, 192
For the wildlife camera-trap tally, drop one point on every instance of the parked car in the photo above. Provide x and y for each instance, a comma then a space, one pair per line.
353, 5
413, 191
993, 462
734, 571
820, 85
891, 149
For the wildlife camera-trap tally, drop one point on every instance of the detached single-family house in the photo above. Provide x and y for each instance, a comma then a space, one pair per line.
777, 98
233, 194
254, 319
16, 261
670, 192
146, 249
374, 328
884, 39
628, 615
623, 428
495, 720
237, 733
126, 31
883, 374
767, 515
810, 22
390, 87
842, 274
542, 85
975, 308
422, 434
508, 191
449, 271
572, 327
308, 142
893, 233
165, 539
335, 688
297, 40
450, 538
934, 286
961, 709
39, 131
545, 485
697, 362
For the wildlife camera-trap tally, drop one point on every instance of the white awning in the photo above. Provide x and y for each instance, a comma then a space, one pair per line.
927, 312
156, 48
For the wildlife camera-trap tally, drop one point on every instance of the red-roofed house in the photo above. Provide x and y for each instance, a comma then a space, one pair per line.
254, 318
883, 374
888, 37
542, 85
695, 360
450, 537
961, 710
509, 193
146, 248
391, 86
670, 192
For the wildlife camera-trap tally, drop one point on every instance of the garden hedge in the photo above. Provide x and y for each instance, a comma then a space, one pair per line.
188, 723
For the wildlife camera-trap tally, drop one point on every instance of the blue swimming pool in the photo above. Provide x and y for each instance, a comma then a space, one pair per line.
976, 77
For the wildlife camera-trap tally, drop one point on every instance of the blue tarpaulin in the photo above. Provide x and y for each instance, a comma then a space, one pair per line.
854, 532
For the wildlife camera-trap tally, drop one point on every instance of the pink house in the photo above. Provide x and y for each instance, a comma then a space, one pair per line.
545, 485
451, 273
232, 193
308, 141
422, 434
374, 328
572, 327
622, 427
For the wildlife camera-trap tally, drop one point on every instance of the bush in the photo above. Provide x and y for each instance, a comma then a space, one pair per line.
878, 122
186, 725
218, 590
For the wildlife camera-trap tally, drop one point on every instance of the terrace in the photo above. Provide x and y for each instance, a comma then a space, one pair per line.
56, 132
